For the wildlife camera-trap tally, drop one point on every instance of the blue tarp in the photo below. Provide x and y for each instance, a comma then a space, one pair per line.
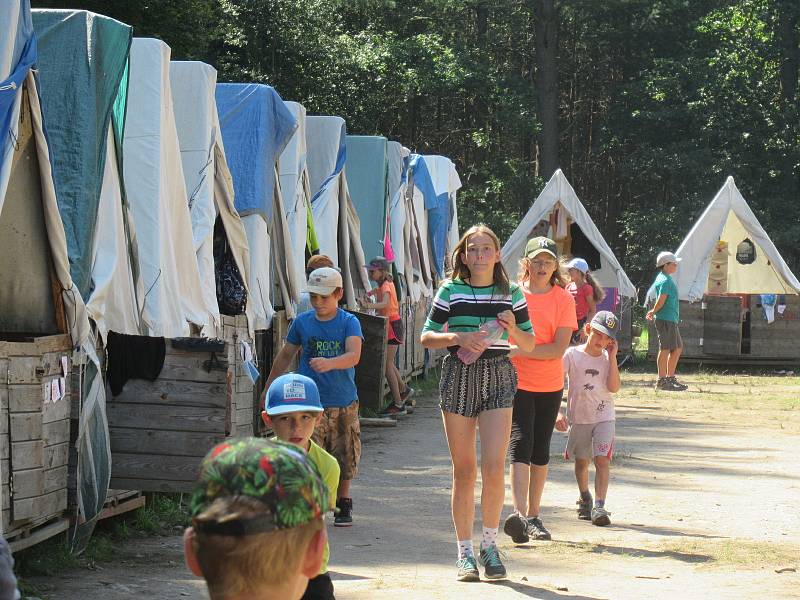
25, 47
83, 59
366, 178
256, 126
438, 207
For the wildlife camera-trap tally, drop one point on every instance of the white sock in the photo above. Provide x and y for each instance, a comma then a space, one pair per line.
465, 548
489, 537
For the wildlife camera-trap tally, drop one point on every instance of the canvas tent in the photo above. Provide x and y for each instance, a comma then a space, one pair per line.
739, 300
367, 172
335, 220
728, 218
296, 191
436, 180
83, 76
208, 179
558, 195
256, 126
156, 189
42, 315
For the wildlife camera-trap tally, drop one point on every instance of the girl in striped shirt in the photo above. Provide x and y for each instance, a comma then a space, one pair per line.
479, 394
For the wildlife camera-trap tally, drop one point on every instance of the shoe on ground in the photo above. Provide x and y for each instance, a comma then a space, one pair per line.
584, 508
600, 516
394, 411
406, 394
467, 569
537, 530
516, 527
344, 515
492, 565
677, 385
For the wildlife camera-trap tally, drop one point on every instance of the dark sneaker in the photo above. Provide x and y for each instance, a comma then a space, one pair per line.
584, 508
492, 565
467, 569
344, 516
516, 527
406, 394
662, 383
536, 529
394, 411
677, 386
600, 516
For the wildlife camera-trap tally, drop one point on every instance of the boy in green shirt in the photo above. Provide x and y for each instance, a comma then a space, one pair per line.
666, 314
293, 410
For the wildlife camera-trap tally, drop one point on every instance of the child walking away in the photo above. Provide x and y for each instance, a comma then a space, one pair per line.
293, 410
329, 340
541, 385
593, 377
666, 314
478, 394
586, 292
257, 521
387, 304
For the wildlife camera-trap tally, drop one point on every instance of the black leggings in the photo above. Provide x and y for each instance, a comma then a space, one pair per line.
532, 422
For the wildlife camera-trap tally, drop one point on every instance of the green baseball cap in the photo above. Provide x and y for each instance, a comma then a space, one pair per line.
541, 244
278, 474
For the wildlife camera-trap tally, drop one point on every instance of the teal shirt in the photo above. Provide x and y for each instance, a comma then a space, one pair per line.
671, 309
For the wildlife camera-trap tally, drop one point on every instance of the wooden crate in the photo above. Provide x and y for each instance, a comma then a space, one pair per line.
370, 369
34, 432
777, 339
161, 430
691, 328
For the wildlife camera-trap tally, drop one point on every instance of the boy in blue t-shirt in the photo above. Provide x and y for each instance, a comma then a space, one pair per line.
329, 339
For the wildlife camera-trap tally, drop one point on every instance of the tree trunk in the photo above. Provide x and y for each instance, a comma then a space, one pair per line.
546, 36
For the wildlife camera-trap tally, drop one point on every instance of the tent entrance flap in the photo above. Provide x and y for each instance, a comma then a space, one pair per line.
722, 325
27, 300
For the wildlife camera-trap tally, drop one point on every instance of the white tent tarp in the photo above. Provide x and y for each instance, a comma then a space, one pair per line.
335, 219
156, 190
729, 218
296, 190
559, 191
208, 180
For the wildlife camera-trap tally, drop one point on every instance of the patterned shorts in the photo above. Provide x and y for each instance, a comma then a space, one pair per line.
486, 384
339, 433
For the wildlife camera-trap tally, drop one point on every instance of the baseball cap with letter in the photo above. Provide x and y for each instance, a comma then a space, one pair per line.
292, 393
541, 244
324, 281
606, 322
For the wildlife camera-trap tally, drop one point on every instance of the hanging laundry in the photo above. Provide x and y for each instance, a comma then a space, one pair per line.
133, 357
768, 304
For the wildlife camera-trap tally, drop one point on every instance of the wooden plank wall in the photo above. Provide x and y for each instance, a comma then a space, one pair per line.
722, 325
34, 432
161, 430
778, 339
369, 371
691, 327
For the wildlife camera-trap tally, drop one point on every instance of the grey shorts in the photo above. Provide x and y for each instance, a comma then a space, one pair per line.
669, 335
589, 440
486, 384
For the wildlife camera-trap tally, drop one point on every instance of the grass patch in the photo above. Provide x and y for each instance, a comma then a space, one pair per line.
738, 553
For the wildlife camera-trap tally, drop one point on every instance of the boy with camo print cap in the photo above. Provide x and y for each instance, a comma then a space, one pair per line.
257, 527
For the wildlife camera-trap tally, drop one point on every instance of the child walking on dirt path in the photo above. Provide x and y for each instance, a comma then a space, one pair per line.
293, 410
586, 292
257, 521
380, 272
541, 386
666, 314
593, 376
329, 341
478, 394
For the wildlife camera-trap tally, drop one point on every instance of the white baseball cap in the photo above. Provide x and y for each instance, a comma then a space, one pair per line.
580, 264
324, 281
666, 257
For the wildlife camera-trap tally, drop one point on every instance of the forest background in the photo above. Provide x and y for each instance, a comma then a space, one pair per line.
646, 105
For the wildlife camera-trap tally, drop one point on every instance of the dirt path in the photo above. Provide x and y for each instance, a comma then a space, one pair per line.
704, 500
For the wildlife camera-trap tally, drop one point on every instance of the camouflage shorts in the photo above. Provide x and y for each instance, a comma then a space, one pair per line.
339, 433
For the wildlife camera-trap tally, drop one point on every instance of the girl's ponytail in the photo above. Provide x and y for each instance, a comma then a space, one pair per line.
598, 293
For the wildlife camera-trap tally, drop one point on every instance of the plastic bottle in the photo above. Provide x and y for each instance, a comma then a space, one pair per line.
494, 331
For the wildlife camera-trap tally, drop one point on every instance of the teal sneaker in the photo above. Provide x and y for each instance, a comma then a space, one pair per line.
467, 569
492, 565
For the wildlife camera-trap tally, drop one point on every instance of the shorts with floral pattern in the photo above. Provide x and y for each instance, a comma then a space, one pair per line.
339, 433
